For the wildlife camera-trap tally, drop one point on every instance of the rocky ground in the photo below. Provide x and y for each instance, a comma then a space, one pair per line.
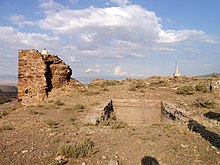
60, 131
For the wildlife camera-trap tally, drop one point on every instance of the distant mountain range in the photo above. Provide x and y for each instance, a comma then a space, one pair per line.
12, 80
209, 75
6, 88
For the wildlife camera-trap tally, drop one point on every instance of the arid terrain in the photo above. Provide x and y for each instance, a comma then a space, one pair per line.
60, 130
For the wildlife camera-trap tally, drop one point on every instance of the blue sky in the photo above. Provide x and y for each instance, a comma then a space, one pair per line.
114, 38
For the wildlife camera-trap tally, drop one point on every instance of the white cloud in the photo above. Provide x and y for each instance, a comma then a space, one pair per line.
172, 36
20, 21
120, 2
12, 40
208, 65
73, 1
111, 32
51, 5
137, 55
133, 75
192, 50
15, 38
88, 37
119, 72
169, 20
92, 70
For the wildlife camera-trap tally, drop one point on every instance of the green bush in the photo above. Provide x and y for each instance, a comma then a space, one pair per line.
51, 123
79, 107
6, 128
159, 83
205, 103
119, 124
138, 84
3, 113
78, 150
201, 87
185, 90
58, 103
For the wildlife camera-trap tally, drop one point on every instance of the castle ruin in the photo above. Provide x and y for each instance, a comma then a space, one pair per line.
38, 74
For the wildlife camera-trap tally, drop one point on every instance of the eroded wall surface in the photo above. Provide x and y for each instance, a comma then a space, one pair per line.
38, 74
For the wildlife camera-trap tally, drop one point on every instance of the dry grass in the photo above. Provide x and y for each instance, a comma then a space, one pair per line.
119, 124
3, 113
51, 123
35, 112
6, 127
201, 87
185, 90
59, 103
136, 85
79, 107
78, 150
205, 103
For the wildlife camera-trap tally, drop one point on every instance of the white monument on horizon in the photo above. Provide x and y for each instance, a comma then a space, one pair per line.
177, 73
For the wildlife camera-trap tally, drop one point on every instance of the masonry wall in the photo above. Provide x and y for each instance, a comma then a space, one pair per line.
38, 74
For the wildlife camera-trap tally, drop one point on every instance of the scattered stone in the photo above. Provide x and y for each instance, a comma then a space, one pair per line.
25, 151
92, 118
113, 162
183, 145
83, 163
171, 112
61, 159
104, 157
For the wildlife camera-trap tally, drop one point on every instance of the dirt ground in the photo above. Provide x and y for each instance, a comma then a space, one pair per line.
34, 135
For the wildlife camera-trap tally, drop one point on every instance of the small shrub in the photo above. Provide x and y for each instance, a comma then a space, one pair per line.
201, 87
159, 83
6, 128
68, 108
129, 79
58, 103
35, 112
51, 123
3, 113
95, 103
205, 103
104, 88
78, 150
119, 124
138, 84
79, 107
73, 120
109, 83
83, 90
185, 90
90, 93
106, 122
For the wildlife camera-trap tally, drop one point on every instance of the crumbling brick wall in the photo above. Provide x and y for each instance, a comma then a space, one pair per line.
38, 74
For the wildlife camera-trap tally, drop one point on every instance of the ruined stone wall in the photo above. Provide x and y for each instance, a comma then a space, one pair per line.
38, 74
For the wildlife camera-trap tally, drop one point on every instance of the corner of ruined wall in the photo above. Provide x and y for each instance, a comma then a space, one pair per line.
38, 74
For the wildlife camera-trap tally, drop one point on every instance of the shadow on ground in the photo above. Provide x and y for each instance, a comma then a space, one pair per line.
147, 160
212, 137
212, 115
